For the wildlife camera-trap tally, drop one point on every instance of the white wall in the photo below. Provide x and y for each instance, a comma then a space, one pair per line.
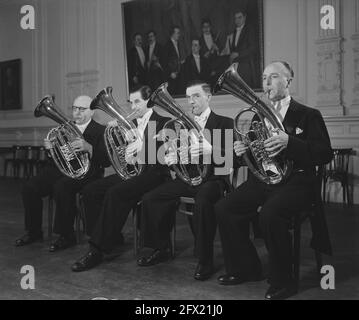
78, 47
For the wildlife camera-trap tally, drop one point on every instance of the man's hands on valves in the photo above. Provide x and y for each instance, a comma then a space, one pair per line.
273, 145
132, 150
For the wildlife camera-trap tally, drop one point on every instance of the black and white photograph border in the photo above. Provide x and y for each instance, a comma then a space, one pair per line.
68, 51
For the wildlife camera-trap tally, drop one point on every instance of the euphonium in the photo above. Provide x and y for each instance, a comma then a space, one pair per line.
270, 170
163, 99
117, 138
72, 164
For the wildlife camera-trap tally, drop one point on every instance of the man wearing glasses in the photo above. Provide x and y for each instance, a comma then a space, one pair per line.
63, 189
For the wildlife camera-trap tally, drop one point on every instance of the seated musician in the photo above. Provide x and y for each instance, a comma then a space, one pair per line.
51, 181
159, 205
306, 142
108, 201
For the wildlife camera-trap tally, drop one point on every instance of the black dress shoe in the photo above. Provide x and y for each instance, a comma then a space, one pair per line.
28, 238
203, 271
155, 257
62, 243
88, 261
229, 280
280, 293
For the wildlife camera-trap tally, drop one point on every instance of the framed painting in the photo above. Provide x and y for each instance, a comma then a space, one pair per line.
179, 41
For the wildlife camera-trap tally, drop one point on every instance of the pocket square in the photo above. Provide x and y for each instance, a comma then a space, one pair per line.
298, 130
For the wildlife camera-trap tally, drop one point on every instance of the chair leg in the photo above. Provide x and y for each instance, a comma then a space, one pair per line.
257, 234
78, 227
50, 214
190, 222
173, 238
135, 232
5, 168
344, 193
296, 251
323, 189
319, 261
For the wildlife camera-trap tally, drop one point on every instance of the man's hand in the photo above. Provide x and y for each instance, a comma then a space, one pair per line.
132, 150
197, 149
214, 48
135, 80
81, 145
184, 159
47, 144
239, 148
171, 157
275, 144
173, 75
112, 123
233, 56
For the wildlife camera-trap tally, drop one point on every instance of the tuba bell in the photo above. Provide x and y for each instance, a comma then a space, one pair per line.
117, 138
271, 170
163, 100
72, 164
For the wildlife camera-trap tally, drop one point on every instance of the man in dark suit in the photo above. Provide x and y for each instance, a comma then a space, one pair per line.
173, 59
137, 65
211, 47
63, 189
241, 47
111, 199
154, 58
196, 67
305, 142
159, 206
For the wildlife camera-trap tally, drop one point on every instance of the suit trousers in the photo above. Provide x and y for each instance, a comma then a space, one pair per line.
279, 205
159, 209
51, 181
93, 196
117, 204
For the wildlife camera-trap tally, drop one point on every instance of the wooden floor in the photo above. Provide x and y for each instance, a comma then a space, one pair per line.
121, 278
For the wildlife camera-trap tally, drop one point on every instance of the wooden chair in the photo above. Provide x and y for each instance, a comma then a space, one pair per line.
337, 170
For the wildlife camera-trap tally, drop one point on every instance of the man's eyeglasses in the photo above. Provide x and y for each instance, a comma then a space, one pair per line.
81, 109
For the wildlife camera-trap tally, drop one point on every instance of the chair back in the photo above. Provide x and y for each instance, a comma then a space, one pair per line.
20, 152
340, 162
42, 154
32, 153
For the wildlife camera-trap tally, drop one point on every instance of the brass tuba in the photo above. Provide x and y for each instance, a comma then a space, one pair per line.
163, 99
117, 138
265, 168
72, 164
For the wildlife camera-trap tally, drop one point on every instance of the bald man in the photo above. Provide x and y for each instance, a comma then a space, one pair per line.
63, 189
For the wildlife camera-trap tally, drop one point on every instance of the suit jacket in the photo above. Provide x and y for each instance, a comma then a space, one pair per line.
191, 72
204, 47
94, 135
247, 49
135, 67
309, 146
155, 73
152, 144
158, 52
222, 123
309, 142
172, 61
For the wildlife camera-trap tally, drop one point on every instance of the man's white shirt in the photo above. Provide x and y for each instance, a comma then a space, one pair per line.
82, 127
